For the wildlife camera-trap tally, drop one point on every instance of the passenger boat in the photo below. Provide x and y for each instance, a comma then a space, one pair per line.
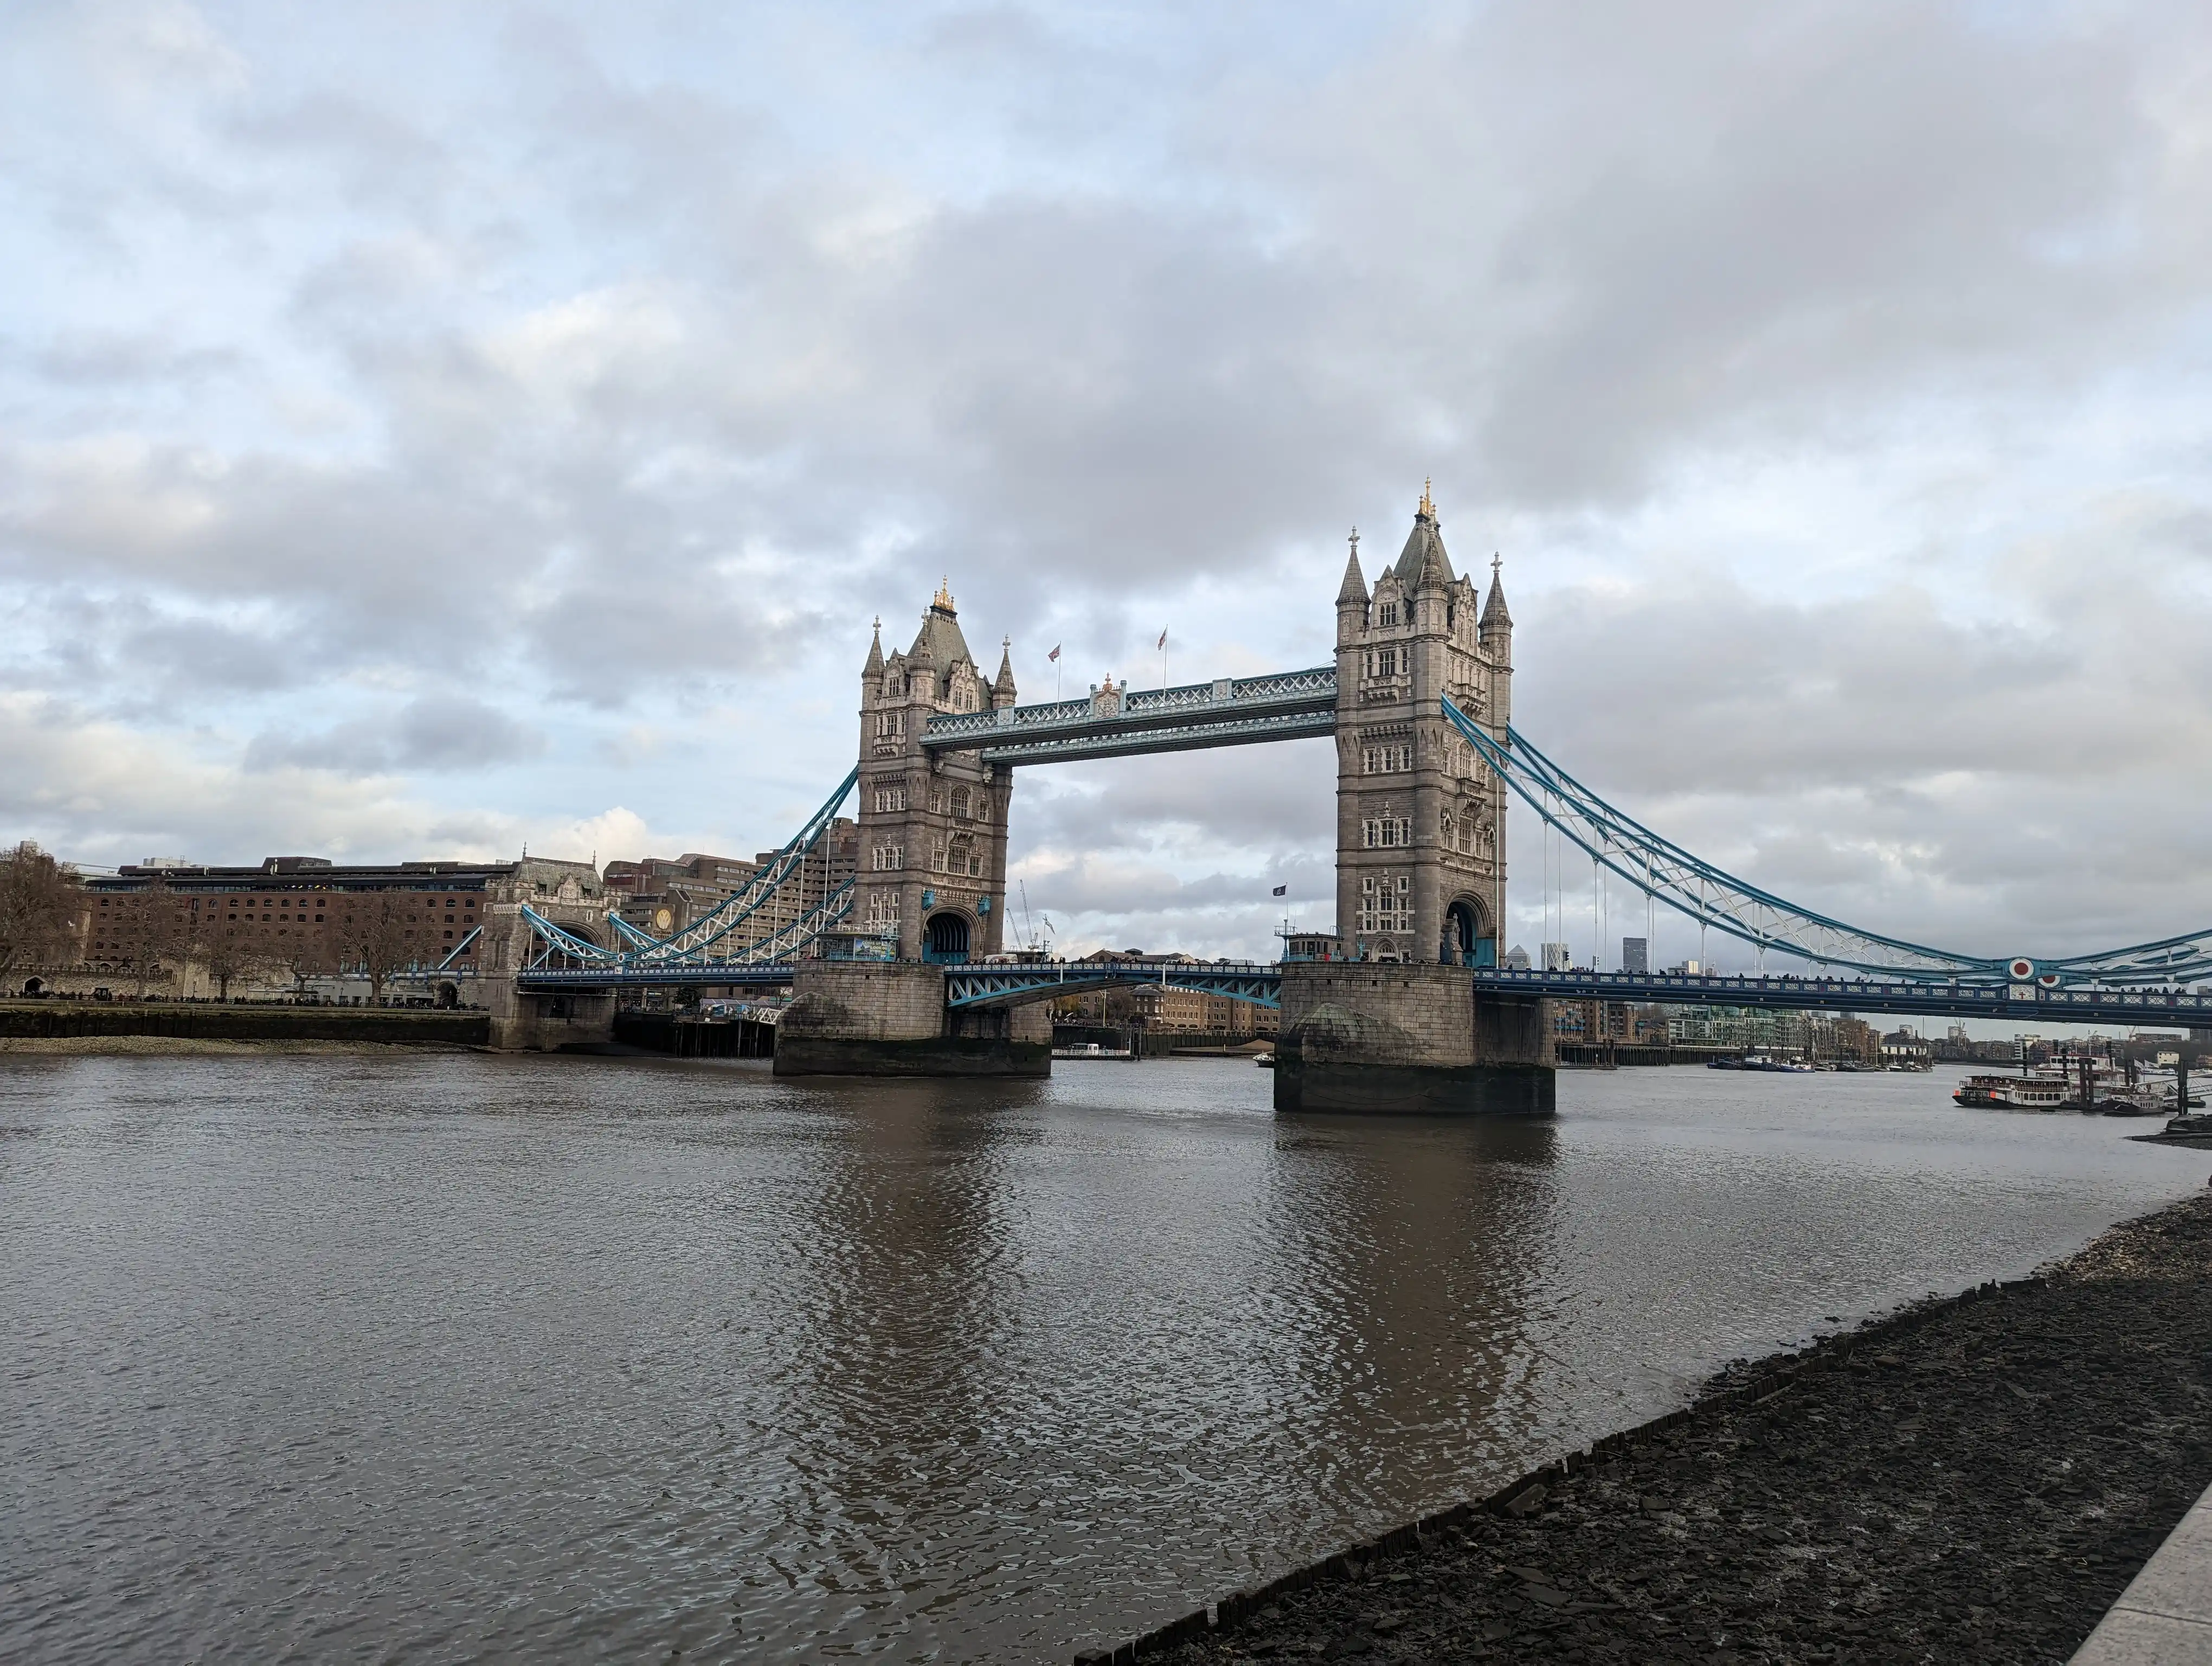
2015, 1093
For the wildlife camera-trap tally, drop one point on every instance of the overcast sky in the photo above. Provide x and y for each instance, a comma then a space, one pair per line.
428, 429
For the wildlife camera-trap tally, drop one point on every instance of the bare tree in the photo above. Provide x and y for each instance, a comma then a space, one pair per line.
153, 926
40, 902
225, 949
376, 940
305, 959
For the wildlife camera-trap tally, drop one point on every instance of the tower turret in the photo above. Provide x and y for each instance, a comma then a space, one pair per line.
1351, 597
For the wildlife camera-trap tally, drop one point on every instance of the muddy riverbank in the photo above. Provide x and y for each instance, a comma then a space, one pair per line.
1978, 1480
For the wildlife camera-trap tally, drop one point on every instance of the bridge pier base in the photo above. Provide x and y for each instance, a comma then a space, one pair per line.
1362, 1038
526, 1021
858, 1018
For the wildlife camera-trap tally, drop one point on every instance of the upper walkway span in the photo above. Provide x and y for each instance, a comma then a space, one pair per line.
1124, 722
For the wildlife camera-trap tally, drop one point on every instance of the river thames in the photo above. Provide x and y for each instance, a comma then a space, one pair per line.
466, 1357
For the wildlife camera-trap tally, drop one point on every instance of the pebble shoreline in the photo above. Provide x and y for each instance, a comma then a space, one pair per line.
1976, 1478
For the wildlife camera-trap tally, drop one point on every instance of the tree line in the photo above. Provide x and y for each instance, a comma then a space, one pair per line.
154, 931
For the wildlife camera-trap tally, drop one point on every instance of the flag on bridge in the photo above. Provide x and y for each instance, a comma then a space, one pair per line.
1163, 639
1280, 891
1055, 655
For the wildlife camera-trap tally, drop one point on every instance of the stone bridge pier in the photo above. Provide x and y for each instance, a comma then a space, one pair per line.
852, 1017
1409, 1039
568, 1020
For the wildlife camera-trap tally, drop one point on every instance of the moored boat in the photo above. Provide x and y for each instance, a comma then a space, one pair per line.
2015, 1092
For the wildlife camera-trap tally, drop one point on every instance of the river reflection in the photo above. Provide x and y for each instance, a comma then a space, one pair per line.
477, 1358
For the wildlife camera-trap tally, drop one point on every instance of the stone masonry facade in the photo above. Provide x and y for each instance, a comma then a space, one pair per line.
1420, 862
931, 855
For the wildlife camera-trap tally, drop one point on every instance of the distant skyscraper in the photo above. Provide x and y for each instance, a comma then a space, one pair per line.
1633, 954
1556, 957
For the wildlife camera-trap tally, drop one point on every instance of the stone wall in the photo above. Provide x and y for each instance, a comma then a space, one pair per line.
1360, 1037
215, 1022
856, 1018
865, 1000
574, 1020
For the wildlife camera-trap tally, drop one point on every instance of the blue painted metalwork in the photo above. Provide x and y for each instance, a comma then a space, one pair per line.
1013, 985
460, 949
1709, 895
546, 979
696, 943
2029, 1004
1230, 711
1662, 869
559, 949
710, 928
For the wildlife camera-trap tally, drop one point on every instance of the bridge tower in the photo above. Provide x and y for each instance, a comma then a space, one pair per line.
932, 825
1421, 830
1396, 1025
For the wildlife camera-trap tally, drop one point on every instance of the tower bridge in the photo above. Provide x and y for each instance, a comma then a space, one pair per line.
902, 968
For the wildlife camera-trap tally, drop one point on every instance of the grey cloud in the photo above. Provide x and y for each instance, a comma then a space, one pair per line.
647, 386
110, 359
423, 734
1273, 797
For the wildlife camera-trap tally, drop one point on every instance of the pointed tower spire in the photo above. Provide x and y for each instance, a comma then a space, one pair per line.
1494, 614
875, 666
1002, 686
1353, 592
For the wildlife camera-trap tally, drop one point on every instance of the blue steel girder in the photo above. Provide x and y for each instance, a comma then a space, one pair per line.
2023, 1003
554, 940
1229, 711
1016, 985
710, 928
556, 943
697, 976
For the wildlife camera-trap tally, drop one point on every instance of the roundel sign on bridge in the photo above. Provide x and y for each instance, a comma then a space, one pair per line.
2022, 970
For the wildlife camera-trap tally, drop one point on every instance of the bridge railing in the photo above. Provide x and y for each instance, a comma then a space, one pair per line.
1254, 982
2025, 1002
1225, 699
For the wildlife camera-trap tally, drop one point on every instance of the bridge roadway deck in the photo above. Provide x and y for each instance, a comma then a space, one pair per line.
2010, 1002
1006, 984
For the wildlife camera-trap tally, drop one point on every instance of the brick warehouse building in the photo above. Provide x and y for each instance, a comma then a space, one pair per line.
300, 917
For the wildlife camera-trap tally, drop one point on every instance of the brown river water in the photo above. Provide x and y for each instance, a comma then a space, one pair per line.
471, 1357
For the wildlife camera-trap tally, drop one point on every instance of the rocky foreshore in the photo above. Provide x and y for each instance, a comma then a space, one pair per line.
1974, 1479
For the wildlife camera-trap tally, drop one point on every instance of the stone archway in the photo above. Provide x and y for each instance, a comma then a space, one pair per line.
945, 938
32, 986
1468, 939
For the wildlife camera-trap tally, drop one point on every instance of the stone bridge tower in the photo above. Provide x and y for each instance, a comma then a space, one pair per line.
932, 825
1421, 832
